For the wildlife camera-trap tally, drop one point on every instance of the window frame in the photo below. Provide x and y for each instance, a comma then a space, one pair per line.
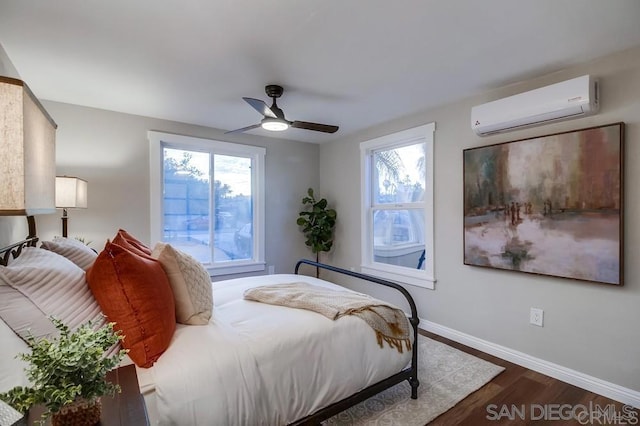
159, 140
420, 278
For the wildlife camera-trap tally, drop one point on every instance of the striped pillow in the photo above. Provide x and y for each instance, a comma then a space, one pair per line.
39, 284
77, 252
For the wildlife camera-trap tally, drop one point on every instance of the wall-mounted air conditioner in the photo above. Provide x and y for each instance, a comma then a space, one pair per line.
573, 98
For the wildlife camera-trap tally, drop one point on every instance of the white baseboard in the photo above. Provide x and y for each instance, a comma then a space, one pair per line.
576, 378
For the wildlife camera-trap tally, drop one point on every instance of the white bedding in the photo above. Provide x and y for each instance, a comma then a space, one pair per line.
260, 364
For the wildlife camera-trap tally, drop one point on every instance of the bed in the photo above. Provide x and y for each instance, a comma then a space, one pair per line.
259, 364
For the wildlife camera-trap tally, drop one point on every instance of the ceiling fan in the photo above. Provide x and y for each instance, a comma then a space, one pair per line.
274, 119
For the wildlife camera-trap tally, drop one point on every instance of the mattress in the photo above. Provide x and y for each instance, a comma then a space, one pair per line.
260, 364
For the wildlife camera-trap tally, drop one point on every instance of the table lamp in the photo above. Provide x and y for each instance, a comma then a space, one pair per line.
71, 193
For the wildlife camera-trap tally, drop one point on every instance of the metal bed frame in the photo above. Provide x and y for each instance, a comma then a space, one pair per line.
15, 249
410, 373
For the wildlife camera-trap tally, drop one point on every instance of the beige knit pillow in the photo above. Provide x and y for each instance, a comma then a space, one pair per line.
190, 282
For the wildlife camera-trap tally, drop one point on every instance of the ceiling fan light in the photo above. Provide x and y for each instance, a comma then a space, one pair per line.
274, 124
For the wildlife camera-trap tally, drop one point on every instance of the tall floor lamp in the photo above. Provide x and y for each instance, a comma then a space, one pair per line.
71, 193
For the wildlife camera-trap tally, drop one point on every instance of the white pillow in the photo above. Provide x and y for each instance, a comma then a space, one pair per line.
190, 283
77, 252
39, 284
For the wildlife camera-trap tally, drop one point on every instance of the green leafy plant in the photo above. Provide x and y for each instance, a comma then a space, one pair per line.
83, 241
73, 365
317, 224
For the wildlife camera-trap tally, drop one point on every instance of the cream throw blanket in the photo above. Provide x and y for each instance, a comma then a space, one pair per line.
389, 322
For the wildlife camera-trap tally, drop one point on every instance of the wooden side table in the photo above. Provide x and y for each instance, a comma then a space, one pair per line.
126, 408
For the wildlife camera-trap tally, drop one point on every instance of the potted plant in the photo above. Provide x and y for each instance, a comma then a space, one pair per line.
67, 374
317, 224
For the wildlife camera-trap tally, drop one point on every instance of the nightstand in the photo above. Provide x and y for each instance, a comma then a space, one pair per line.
124, 409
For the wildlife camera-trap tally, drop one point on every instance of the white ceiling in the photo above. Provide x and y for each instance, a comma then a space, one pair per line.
352, 63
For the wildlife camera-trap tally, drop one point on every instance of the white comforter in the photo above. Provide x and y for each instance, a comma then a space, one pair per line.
259, 364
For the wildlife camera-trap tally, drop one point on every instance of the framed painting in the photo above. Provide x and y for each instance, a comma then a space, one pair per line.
550, 205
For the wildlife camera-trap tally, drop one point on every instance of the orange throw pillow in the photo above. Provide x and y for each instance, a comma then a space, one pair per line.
132, 241
134, 292
123, 242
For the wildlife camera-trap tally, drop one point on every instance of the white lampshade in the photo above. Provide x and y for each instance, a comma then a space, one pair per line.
27, 152
71, 192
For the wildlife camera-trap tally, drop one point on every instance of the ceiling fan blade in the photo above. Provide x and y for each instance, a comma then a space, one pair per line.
314, 126
244, 129
261, 107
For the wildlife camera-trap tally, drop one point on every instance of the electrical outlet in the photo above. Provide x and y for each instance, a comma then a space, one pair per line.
536, 316
272, 269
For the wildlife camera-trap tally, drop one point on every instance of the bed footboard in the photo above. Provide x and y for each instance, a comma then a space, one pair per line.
410, 374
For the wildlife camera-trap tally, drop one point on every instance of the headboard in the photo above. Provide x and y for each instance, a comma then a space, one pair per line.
15, 249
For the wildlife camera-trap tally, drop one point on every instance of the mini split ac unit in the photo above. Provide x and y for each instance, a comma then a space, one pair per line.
573, 98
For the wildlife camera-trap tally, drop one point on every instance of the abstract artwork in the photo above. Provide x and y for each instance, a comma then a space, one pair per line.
549, 205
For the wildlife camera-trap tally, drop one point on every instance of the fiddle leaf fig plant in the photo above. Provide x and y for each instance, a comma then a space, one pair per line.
61, 369
317, 223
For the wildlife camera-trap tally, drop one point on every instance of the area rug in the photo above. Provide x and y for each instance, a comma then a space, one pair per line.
446, 376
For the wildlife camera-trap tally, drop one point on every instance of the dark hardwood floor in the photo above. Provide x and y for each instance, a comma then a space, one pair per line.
519, 396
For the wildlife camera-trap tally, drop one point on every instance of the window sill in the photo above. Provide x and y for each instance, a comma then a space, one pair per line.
416, 279
216, 271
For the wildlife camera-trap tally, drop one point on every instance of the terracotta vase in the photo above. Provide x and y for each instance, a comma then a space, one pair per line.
81, 412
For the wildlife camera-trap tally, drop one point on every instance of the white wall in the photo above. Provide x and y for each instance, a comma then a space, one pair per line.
591, 328
111, 151
6, 66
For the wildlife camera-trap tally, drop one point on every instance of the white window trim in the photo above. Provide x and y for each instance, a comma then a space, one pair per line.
420, 278
159, 139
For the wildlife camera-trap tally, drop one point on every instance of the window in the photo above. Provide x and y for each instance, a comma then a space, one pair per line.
207, 199
397, 206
